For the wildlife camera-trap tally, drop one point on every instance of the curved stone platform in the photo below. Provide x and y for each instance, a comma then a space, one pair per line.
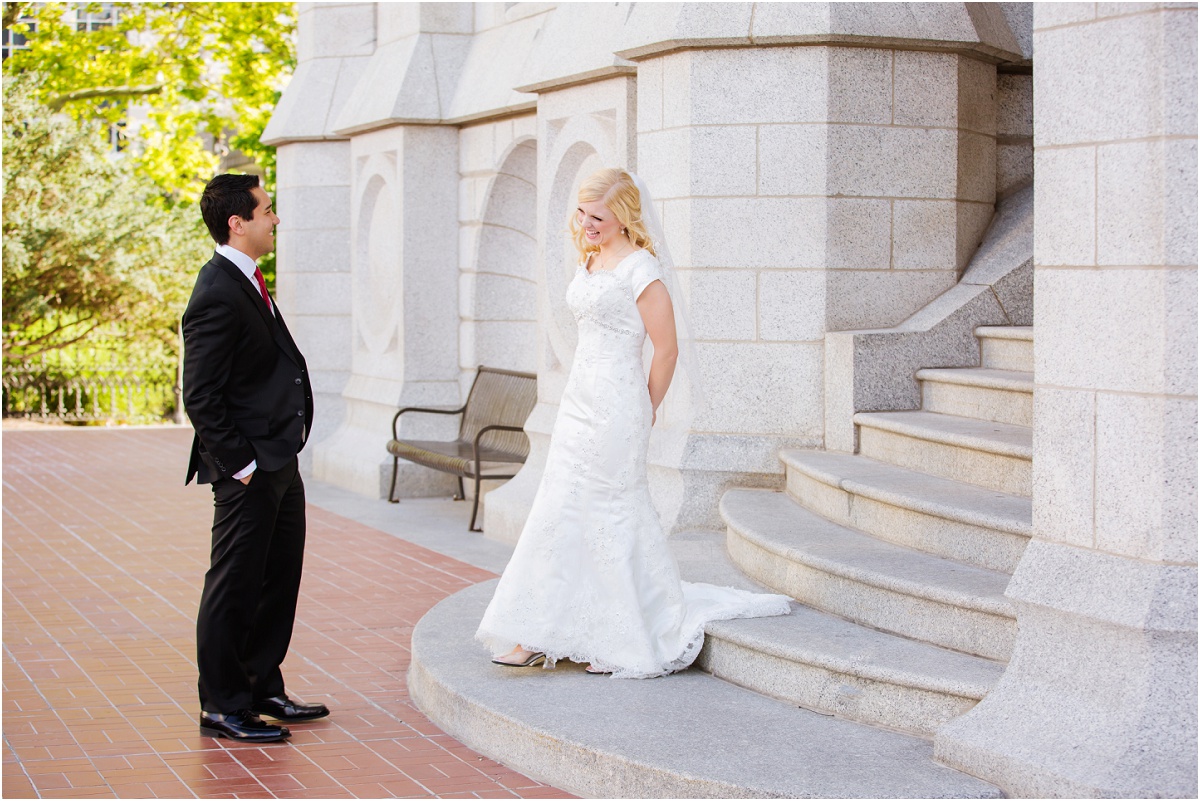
683, 736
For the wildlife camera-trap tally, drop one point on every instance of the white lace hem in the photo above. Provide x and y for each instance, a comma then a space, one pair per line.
742, 604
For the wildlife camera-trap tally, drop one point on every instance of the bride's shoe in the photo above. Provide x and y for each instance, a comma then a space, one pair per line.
595, 671
530, 659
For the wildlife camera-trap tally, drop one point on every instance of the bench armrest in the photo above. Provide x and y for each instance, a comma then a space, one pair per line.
426, 410
483, 431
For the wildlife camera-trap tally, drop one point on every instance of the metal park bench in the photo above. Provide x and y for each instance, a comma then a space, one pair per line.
491, 433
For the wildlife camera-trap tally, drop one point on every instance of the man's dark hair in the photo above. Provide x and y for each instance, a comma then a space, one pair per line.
225, 196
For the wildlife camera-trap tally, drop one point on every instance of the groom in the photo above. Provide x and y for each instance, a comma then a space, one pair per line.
247, 393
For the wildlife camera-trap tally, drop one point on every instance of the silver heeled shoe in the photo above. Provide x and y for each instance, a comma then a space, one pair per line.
534, 658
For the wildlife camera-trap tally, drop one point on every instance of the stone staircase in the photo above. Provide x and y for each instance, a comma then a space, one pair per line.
899, 557
900, 554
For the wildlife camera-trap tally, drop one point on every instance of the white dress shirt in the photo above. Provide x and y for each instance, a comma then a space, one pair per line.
247, 265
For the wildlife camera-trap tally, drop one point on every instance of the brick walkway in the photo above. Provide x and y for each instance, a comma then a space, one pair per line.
104, 554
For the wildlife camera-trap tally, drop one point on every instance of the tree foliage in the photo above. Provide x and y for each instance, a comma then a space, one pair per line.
84, 252
189, 81
101, 243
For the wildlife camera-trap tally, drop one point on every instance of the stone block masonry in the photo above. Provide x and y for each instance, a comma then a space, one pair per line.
1100, 696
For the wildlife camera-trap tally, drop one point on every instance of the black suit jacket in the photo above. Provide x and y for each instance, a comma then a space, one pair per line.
245, 384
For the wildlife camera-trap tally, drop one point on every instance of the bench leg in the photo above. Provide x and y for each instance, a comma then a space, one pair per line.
462, 493
475, 508
392, 492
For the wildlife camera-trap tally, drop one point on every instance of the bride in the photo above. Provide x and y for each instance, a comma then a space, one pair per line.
592, 579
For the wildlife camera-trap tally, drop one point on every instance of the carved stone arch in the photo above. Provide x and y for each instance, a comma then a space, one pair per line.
575, 138
503, 291
578, 159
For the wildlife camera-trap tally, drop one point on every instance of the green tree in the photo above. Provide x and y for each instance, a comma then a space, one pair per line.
101, 242
84, 251
206, 77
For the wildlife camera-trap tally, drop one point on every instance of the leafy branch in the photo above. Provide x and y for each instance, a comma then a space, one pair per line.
56, 104
189, 82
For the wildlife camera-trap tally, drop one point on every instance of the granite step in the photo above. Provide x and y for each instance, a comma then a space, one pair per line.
688, 735
827, 664
940, 516
775, 541
1006, 347
822, 662
997, 456
982, 393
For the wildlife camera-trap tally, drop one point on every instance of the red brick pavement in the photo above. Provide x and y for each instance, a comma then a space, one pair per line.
104, 554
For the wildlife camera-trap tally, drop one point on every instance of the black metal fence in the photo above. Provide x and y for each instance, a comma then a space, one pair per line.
120, 393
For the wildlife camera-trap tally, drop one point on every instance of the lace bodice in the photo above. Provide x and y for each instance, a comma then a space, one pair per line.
604, 302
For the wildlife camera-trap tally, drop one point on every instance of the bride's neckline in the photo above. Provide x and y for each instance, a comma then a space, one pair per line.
612, 269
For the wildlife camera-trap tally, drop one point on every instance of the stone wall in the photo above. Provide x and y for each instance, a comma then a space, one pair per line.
313, 200
851, 203
1100, 697
826, 173
819, 168
498, 246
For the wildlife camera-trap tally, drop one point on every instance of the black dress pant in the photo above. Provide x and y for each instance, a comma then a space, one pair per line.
249, 602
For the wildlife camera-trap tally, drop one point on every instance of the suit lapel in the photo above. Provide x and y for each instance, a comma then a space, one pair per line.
283, 337
274, 321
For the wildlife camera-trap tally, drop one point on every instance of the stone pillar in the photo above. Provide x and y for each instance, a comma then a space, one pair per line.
313, 278
403, 254
335, 41
1099, 699
806, 187
404, 266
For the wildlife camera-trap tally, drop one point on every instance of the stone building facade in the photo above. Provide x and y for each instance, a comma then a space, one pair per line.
848, 190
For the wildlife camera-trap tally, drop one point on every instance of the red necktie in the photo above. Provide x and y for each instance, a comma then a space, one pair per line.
262, 286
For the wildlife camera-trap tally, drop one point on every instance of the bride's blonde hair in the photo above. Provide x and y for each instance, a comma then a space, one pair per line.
616, 190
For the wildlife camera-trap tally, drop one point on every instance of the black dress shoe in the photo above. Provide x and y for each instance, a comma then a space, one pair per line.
241, 725
283, 708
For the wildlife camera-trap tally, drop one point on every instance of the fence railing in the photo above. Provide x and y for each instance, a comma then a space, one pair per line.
118, 393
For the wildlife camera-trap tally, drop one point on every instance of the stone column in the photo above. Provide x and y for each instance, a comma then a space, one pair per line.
403, 259
404, 268
1100, 696
806, 187
335, 41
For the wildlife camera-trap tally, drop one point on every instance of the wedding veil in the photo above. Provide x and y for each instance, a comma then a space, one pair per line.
686, 399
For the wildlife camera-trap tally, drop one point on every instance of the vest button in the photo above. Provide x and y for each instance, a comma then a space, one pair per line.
298, 381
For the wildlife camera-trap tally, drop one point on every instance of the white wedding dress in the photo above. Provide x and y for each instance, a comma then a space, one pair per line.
592, 578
